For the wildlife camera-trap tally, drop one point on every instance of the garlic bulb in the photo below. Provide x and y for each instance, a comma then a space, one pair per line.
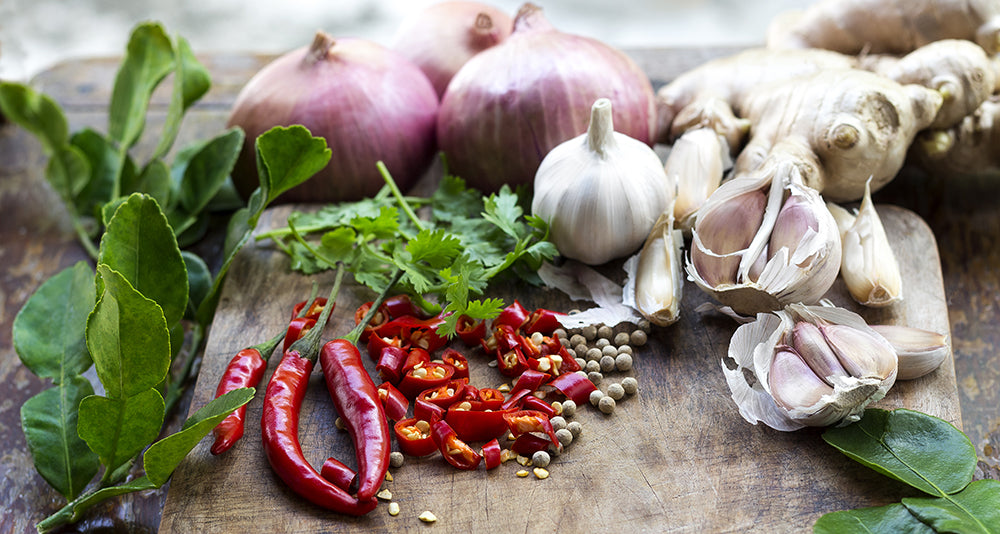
656, 277
695, 165
868, 266
759, 244
814, 366
600, 192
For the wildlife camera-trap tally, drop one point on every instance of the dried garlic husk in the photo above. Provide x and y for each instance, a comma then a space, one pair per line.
656, 275
600, 192
919, 351
695, 165
759, 244
812, 365
868, 265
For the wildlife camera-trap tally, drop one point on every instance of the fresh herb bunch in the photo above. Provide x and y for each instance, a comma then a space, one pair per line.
128, 318
464, 241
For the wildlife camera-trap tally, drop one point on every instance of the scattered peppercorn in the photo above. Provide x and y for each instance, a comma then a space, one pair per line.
596, 396
606, 404
557, 422
592, 366
621, 338
638, 338
601, 343
569, 408
623, 362
630, 384
625, 349
595, 377
540, 459
616, 391
589, 332
564, 436
396, 459
575, 428
607, 363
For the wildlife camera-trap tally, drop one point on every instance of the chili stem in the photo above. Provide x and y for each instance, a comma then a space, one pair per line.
355, 334
308, 346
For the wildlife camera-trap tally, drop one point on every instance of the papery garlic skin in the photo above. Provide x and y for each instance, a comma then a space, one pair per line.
600, 192
695, 165
868, 265
789, 392
659, 275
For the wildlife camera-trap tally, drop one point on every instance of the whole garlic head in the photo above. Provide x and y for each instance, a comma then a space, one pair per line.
600, 192
813, 366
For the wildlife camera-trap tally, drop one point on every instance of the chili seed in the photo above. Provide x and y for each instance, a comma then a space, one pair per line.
506, 455
623, 362
385, 495
557, 407
607, 364
621, 338
503, 387
394, 509
616, 391
522, 473
492, 363
423, 426
464, 406
395, 459
601, 343
605, 332
577, 339
609, 350
540, 473
339, 423
638, 338
388, 476
594, 354
625, 349
419, 372
557, 422
606, 404
630, 385
540, 459
596, 396
569, 408
523, 460
427, 517
575, 428
595, 377
536, 338
564, 436
589, 332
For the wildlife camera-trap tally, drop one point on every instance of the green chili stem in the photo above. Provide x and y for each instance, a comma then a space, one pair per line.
355, 334
308, 346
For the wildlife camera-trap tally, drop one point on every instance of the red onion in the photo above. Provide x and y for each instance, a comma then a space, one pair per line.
512, 103
368, 102
442, 37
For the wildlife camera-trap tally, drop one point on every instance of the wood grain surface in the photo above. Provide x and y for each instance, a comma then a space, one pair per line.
674, 457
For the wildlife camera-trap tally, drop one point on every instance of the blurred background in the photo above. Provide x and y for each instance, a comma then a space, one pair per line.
35, 34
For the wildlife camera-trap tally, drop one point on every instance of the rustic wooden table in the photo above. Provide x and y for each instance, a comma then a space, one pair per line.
37, 241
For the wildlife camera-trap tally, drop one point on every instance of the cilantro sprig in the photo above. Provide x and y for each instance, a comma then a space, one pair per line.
449, 255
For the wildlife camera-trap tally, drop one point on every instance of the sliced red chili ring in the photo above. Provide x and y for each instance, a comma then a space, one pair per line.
425, 376
393, 401
454, 450
297, 328
337, 473
528, 444
515, 398
574, 386
400, 305
542, 320
513, 315
525, 421
457, 360
314, 311
390, 363
446, 394
531, 402
376, 344
491, 398
492, 454
415, 357
531, 380
380, 318
471, 332
511, 362
475, 422
414, 438
426, 410
569, 363
415, 332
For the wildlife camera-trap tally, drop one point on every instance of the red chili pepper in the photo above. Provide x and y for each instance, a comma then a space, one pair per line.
381, 317
511, 362
413, 437
542, 320
574, 386
414, 357
513, 315
569, 363
314, 311
491, 398
476, 423
338, 473
454, 450
390, 362
400, 305
376, 344
425, 376
469, 331
492, 454
506, 337
426, 410
357, 401
531, 380
415, 332
457, 360
446, 394
299, 327
244, 370
394, 403
525, 421
515, 398
532, 402
528, 444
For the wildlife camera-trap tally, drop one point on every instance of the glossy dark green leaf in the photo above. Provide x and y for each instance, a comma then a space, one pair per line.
923, 451
104, 163
286, 157
195, 228
894, 518
237, 234
127, 337
148, 59
118, 429
75, 513
49, 331
35, 112
974, 509
49, 422
207, 169
68, 171
166, 454
153, 180
191, 82
199, 280
226, 199
140, 244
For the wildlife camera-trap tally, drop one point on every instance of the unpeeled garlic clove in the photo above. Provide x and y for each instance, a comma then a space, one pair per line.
919, 351
659, 276
808, 341
723, 232
793, 383
795, 220
863, 353
695, 165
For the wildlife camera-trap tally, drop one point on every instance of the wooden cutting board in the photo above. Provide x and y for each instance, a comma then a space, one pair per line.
675, 457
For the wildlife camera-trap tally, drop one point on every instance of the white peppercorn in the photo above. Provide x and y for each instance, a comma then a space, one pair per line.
638, 338
621, 338
569, 408
561, 332
630, 385
581, 349
623, 362
595, 377
395, 459
540, 459
644, 325
605, 332
577, 339
589, 332
564, 436
575, 428
564, 342
571, 352
594, 354
580, 361
625, 349
592, 366
616, 391
609, 350
596, 396
601, 343
607, 364
606, 404
558, 422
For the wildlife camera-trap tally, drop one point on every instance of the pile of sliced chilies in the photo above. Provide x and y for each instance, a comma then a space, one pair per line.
448, 412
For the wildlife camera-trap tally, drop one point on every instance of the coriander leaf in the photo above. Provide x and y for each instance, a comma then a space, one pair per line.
923, 451
453, 202
49, 331
893, 518
191, 82
338, 244
49, 422
503, 210
118, 428
199, 280
165, 455
148, 59
383, 226
207, 169
434, 247
36, 112
140, 245
974, 509
286, 157
127, 337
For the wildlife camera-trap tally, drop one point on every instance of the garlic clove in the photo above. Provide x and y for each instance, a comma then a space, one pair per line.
695, 166
809, 343
724, 231
919, 351
795, 220
793, 383
863, 354
868, 265
659, 278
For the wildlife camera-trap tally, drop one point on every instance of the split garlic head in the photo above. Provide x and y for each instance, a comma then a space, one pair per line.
759, 244
600, 192
810, 366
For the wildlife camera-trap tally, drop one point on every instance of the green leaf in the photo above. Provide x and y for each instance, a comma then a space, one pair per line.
207, 169
199, 280
154, 180
437, 248
191, 82
286, 157
453, 201
166, 454
503, 210
35, 112
893, 518
383, 226
337, 244
119, 428
103, 168
49, 331
49, 422
148, 59
974, 509
127, 337
140, 245
68, 171
923, 451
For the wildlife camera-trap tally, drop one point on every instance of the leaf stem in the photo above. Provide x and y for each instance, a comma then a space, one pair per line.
176, 389
399, 195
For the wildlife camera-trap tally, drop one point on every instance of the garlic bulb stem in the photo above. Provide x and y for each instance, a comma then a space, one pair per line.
600, 132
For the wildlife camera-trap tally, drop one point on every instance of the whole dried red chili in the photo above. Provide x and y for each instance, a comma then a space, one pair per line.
414, 436
455, 451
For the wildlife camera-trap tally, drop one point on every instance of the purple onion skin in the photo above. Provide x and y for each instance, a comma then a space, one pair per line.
442, 37
368, 102
508, 106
